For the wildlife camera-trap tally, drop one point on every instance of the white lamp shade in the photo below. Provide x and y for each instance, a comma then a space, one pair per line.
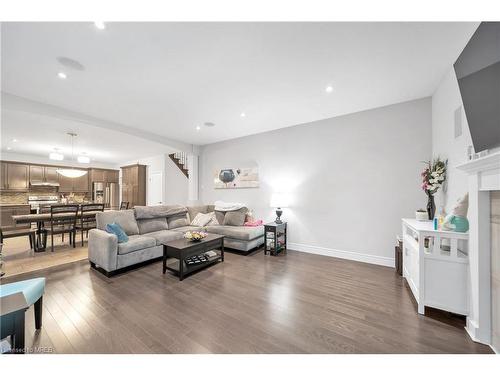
280, 200
71, 173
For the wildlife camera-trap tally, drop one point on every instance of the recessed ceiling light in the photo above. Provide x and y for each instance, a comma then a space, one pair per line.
70, 63
209, 124
14, 140
100, 25
243, 114
198, 127
56, 156
329, 89
83, 159
9, 148
62, 75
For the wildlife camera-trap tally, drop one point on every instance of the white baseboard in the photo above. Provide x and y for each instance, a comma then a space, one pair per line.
351, 255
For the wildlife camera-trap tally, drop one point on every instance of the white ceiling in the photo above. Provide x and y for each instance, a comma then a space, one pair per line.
38, 135
167, 78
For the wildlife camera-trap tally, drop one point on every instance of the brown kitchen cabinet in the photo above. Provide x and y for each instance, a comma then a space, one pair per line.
81, 184
3, 182
40, 173
51, 175
104, 175
15, 176
97, 175
112, 176
65, 184
134, 185
6, 213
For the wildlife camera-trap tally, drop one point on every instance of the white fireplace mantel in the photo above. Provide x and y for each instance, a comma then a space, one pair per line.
484, 176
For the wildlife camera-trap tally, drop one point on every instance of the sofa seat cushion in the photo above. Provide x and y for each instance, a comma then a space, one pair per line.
125, 218
188, 228
163, 236
134, 243
240, 233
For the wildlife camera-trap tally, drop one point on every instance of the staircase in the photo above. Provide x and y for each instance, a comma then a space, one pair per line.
180, 159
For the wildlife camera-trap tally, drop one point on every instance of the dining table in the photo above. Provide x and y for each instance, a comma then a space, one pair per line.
42, 218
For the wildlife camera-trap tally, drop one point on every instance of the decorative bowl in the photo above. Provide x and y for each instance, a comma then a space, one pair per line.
194, 236
421, 215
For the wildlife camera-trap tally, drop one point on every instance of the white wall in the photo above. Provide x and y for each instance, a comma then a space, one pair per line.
351, 178
445, 101
176, 183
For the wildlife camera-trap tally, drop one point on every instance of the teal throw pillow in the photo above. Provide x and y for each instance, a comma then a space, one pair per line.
117, 230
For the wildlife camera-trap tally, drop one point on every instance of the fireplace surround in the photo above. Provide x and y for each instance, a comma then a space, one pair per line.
483, 178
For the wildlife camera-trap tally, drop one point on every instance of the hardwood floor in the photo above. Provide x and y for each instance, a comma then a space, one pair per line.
300, 303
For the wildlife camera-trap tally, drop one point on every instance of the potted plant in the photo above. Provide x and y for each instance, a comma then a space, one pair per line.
433, 177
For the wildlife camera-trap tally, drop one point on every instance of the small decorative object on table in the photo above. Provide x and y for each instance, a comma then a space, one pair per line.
421, 215
433, 177
275, 236
194, 236
457, 220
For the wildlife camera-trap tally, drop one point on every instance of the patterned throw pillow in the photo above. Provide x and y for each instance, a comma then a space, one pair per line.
200, 220
213, 221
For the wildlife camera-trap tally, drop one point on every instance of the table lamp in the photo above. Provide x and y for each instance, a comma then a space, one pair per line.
279, 201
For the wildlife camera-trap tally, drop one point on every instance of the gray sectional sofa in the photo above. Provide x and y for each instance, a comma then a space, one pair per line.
148, 227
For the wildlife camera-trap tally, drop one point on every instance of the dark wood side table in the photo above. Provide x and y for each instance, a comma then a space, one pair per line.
275, 238
183, 248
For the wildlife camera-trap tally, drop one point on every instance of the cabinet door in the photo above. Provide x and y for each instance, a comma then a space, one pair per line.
3, 182
51, 175
81, 184
36, 173
112, 176
17, 176
65, 184
97, 175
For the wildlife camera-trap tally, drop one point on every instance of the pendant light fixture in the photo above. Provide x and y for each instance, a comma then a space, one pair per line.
71, 172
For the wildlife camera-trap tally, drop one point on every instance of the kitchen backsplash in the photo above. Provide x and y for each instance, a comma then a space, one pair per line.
12, 197
22, 197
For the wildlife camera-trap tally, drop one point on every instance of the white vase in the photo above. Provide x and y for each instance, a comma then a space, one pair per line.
421, 216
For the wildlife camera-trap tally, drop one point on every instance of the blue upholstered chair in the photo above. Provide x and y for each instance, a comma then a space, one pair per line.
15, 299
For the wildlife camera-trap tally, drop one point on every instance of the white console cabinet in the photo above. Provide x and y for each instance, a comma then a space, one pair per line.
435, 265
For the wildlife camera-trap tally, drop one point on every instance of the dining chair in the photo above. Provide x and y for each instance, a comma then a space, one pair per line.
124, 205
63, 220
87, 220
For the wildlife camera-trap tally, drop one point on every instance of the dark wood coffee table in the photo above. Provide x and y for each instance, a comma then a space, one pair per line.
183, 248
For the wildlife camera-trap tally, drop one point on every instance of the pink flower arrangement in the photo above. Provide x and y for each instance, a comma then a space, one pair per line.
433, 176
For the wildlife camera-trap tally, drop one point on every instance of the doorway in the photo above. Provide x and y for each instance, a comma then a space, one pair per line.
155, 189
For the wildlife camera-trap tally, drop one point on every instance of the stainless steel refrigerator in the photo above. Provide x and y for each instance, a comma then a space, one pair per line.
107, 193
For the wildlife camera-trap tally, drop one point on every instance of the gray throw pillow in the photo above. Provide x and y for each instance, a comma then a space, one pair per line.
235, 218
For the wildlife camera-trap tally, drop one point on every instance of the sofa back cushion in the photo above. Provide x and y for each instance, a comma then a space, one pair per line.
125, 218
235, 218
195, 210
152, 225
177, 221
219, 216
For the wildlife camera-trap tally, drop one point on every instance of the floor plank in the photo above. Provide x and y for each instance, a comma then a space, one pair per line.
298, 303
